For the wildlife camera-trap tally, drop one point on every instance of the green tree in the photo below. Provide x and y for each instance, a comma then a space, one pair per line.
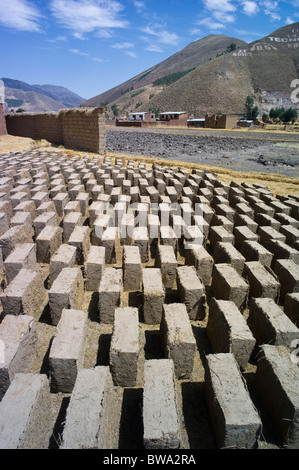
251, 112
232, 47
265, 117
115, 110
290, 115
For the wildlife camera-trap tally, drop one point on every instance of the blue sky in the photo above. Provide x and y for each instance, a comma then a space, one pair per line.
90, 46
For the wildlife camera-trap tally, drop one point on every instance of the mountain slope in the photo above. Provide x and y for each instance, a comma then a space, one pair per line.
195, 54
264, 69
38, 98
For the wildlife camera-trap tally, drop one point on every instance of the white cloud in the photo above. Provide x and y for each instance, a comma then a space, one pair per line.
271, 9
223, 17
216, 5
139, 5
20, 15
123, 45
211, 24
289, 20
250, 7
131, 54
163, 36
77, 52
86, 16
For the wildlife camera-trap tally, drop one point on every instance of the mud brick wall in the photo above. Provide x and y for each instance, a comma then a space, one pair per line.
3, 130
84, 129
74, 128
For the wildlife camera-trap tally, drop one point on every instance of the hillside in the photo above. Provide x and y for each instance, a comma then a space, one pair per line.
38, 98
192, 56
264, 68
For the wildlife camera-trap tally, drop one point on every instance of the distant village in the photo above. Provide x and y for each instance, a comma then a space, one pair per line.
181, 119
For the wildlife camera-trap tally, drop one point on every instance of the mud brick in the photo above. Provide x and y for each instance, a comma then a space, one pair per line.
193, 235
291, 307
160, 185
277, 381
94, 267
235, 420
269, 324
4, 223
177, 339
153, 295
262, 208
160, 414
165, 214
127, 229
169, 237
26, 206
48, 206
83, 199
202, 261
227, 284
13, 237
291, 233
287, 272
281, 250
227, 253
70, 222
25, 294
47, 243
66, 356
243, 234
24, 219
93, 390
40, 197
262, 281
254, 251
110, 290
202, 224
141, 239
268, 233
226, 210
110, 241
280, 208
23, 256
64, 257
134, 194
153, 224
60, 201
242, 219
153, 194
25, 413
97, 208
72, 206
171, 192
285, 219
81, 240
6, 207
18, 197
124, 349
43, 220
167, 262
206, 211
221, 220
267, 220
219, 234
228, 331
18, 338
131, 268
191, 292
244, 209
66, 292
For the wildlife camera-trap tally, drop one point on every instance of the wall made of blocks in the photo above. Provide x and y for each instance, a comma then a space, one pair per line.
79, 128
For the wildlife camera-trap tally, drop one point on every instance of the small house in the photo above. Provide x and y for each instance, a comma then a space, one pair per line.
172, 118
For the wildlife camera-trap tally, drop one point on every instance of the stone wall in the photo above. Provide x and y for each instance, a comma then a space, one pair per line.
79, 128
3, 130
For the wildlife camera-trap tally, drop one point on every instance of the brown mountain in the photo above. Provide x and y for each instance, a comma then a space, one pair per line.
220, 80
192, 56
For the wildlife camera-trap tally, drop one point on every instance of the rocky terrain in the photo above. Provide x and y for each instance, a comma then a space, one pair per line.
240, 151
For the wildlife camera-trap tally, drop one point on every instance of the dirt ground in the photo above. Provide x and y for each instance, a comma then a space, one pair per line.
196, 428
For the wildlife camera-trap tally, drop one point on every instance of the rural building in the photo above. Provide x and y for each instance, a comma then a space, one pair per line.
196, 122
223, 121
141, 119
174, 118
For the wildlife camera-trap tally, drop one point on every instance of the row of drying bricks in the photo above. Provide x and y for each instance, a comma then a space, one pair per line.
156, 282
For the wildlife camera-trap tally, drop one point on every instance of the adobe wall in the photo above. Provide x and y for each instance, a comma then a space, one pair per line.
3, 130
81, 128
